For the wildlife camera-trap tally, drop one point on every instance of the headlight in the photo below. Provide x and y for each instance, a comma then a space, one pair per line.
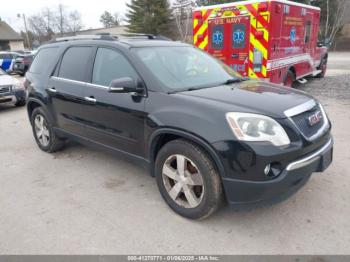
253, 127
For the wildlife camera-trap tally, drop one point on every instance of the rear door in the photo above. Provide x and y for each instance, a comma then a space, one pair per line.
229, 41
66, 88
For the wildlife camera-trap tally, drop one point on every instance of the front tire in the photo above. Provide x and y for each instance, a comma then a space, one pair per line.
43, 132
21, 103
188, 180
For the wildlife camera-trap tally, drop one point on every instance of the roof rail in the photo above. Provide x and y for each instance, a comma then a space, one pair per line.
140, 35
110, 37
84, 37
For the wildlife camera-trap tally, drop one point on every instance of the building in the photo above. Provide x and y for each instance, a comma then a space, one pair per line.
115, 30
10, 40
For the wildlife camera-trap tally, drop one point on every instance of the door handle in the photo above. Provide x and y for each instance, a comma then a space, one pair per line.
90, 99
52, 90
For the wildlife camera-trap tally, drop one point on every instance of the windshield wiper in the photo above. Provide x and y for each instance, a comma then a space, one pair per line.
236, 80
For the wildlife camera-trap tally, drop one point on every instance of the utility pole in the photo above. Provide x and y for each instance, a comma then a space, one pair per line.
25, 26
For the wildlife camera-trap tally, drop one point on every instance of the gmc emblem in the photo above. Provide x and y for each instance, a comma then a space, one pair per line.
315, 118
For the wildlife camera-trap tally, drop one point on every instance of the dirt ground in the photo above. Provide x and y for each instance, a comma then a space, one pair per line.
83, 201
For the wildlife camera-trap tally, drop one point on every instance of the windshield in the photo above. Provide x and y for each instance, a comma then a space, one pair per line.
184, 68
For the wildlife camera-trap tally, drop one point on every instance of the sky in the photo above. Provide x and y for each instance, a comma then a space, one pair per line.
90, 10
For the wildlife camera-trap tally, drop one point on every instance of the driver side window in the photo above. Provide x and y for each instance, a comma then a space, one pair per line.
109, 65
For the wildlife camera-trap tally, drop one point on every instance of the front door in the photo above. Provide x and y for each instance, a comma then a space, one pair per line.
113, 119
229, 41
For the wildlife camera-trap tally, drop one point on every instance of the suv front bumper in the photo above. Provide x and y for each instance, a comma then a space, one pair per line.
13, 96
242, 194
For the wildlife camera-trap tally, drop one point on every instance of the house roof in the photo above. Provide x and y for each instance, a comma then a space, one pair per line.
7, 33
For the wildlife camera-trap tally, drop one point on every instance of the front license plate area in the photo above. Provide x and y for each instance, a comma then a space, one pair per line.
326, 159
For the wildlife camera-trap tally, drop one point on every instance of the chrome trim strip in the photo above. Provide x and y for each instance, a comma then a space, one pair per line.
79, 82
98, 86
300, 108
309, 159
67, 80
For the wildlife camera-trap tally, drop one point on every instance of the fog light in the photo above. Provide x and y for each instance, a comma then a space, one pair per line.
267, 169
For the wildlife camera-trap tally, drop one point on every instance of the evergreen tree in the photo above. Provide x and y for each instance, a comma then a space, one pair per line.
108, 20
150, 17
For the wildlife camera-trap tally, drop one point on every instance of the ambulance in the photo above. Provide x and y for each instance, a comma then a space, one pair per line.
270, 39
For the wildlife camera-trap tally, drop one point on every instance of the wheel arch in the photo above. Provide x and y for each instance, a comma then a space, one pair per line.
32, 104
162, 136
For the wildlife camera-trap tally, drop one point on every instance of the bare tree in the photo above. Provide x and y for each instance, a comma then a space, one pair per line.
37, 25
61, 19
339, 18
74, 22
183, 14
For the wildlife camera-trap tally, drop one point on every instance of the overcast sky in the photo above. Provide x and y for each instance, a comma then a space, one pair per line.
90, 10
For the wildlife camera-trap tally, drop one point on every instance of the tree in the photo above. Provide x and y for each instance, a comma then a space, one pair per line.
74, 22
48, 22
109, 20
182, 10
149, 16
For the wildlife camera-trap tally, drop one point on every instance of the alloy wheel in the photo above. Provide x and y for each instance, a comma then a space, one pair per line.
183, 181
41, 131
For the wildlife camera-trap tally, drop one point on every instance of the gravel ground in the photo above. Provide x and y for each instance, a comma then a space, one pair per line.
82, 201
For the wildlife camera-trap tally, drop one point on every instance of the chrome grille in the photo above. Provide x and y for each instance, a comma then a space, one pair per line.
5, 89
303, 123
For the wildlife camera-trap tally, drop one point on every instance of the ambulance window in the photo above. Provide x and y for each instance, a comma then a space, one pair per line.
238, 35
217, 37
307, 32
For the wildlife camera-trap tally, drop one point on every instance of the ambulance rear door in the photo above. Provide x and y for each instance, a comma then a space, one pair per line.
229, 41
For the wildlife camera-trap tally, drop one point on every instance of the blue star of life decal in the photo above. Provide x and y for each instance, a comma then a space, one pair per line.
238, 36
293, 34
218, 37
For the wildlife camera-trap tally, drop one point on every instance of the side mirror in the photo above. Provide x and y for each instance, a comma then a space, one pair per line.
124, 85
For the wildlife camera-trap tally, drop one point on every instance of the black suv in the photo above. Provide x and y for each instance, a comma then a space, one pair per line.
203, 130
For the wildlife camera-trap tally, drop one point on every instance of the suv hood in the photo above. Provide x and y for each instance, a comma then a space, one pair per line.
7, 80
253, 97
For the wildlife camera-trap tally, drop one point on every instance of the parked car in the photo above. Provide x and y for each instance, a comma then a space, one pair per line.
11, 90
7, 60
22, 64
203, 131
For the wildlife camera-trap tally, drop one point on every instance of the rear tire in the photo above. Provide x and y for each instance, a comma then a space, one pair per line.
43, 132
188, 180
289, 79
323, 68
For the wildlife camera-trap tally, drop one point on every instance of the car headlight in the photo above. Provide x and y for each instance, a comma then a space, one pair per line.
253, 127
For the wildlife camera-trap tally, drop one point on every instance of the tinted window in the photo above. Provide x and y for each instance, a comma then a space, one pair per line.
238, 36
74, 62
307, 32
42, 58
110, 65
217, 37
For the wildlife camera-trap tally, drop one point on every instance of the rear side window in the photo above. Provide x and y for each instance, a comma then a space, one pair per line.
42, 59
74, 63
110, 65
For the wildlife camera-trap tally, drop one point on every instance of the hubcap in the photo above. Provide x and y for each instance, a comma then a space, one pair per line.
183, 181
41, 131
